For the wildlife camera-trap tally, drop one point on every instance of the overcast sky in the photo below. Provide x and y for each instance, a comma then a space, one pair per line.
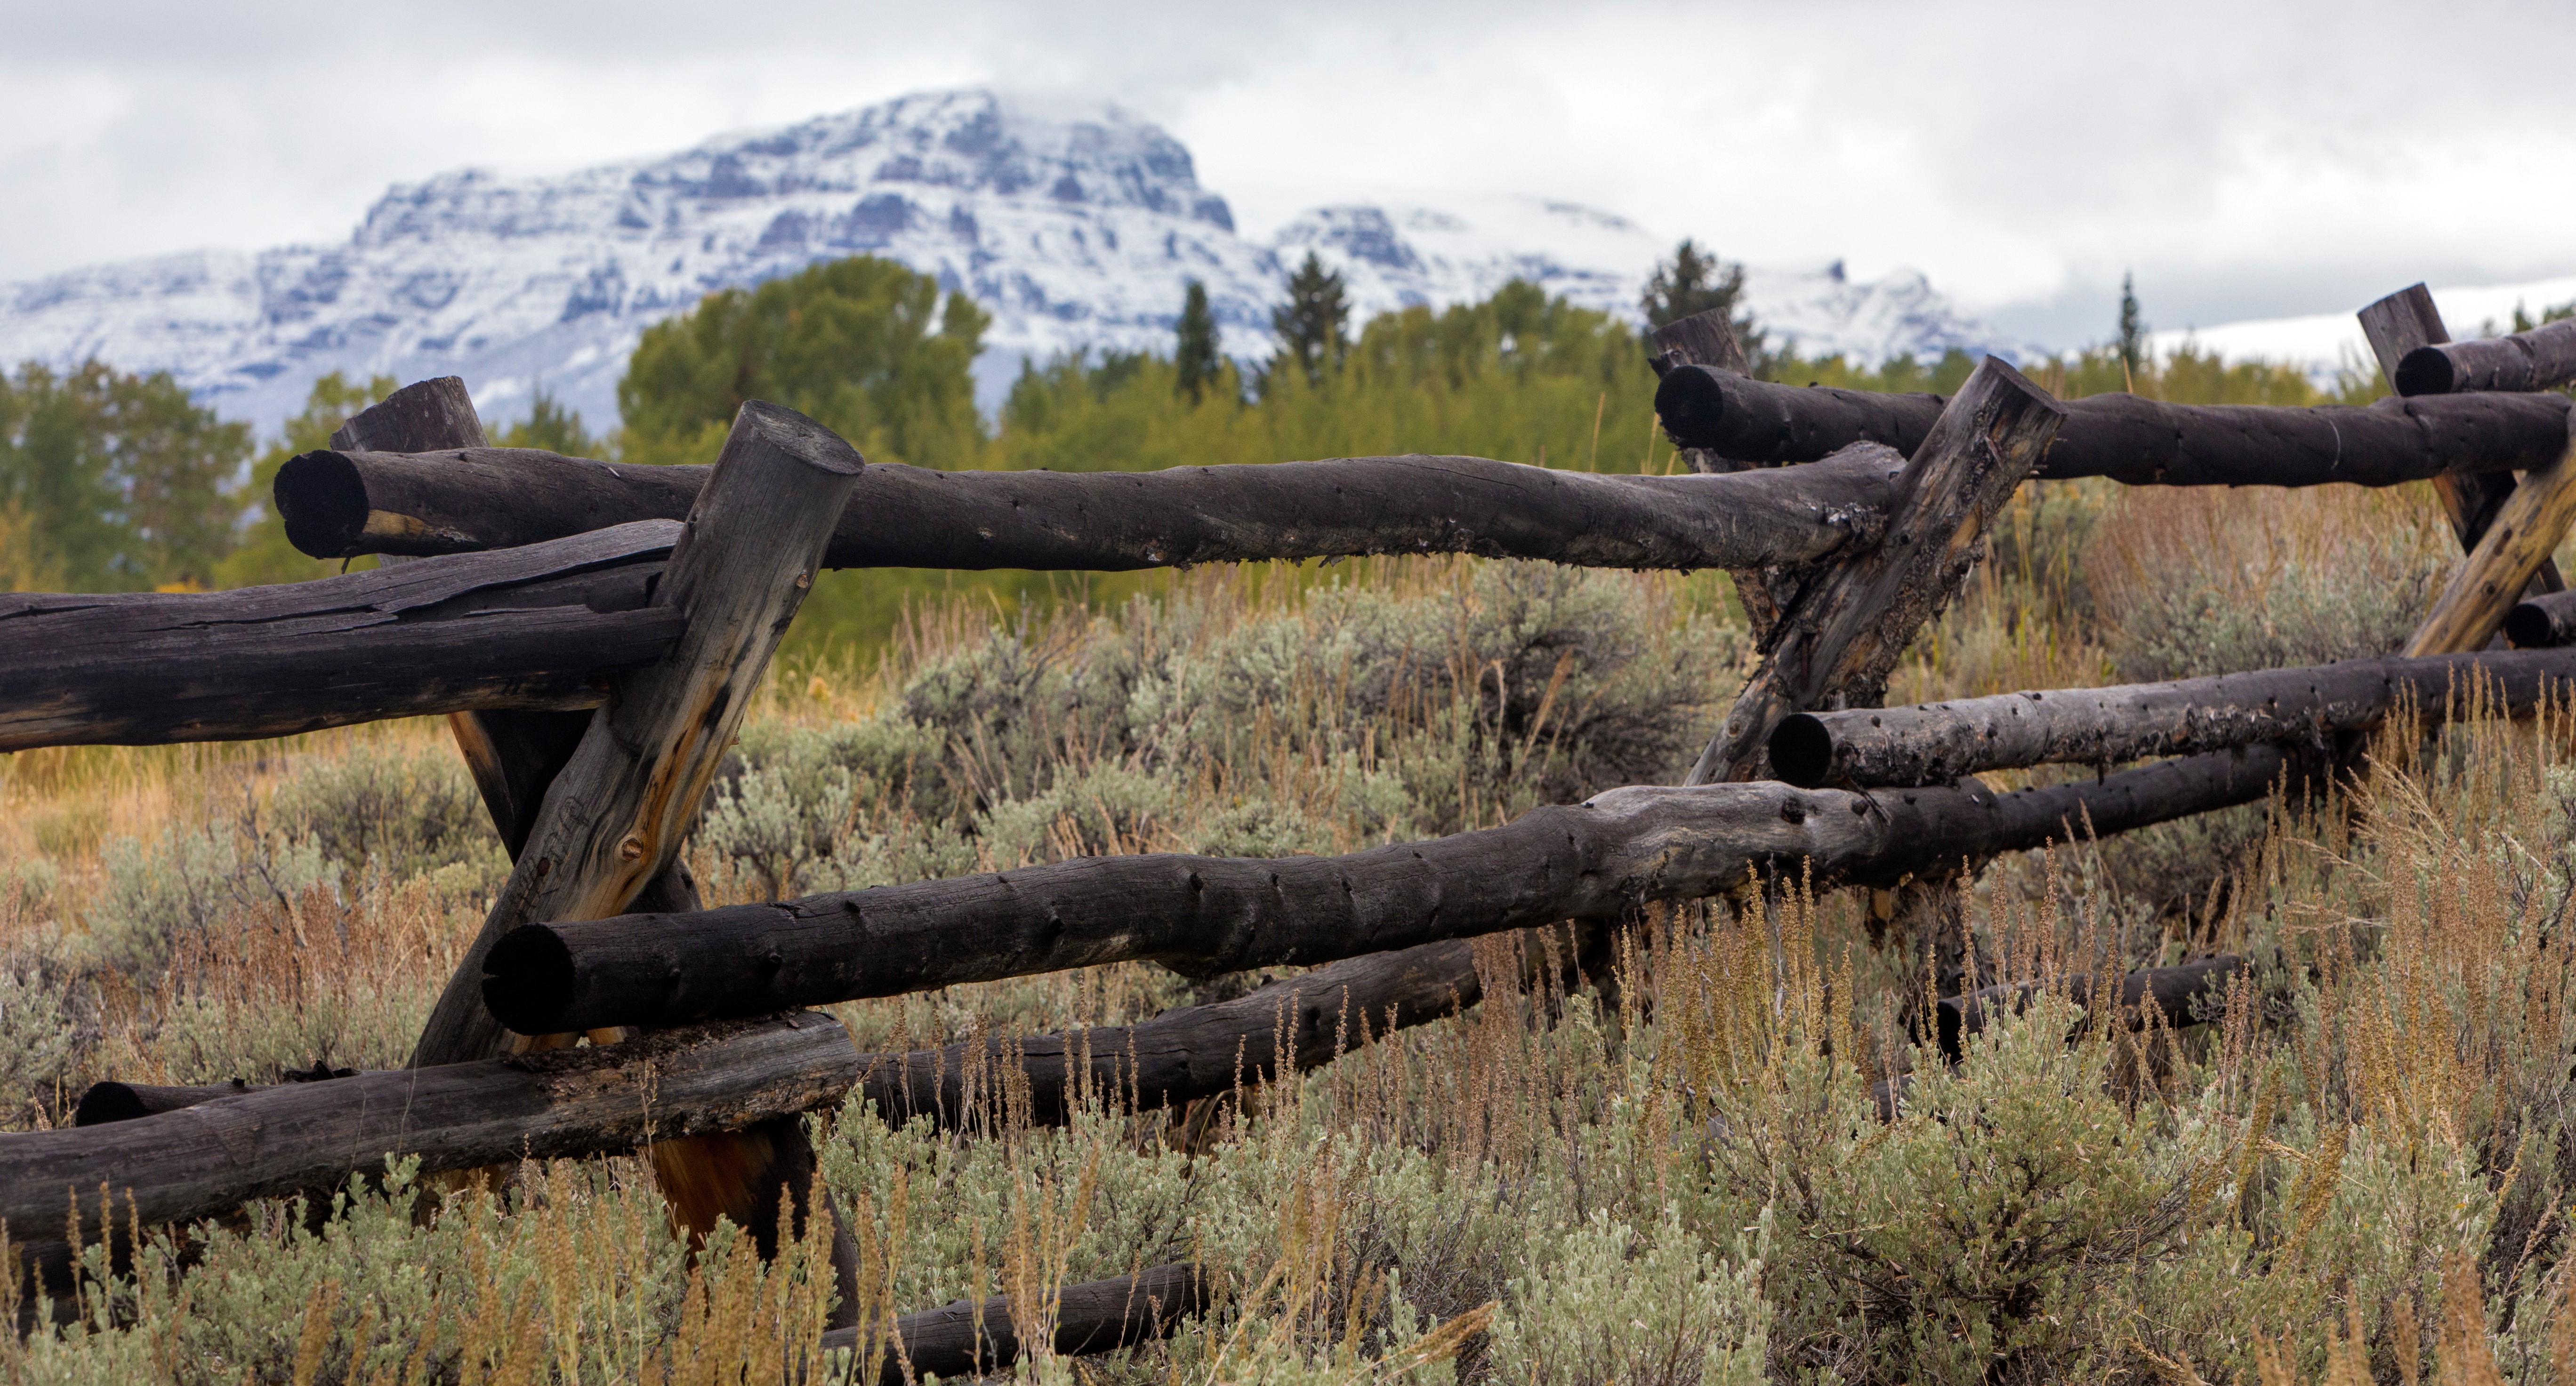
2244, 159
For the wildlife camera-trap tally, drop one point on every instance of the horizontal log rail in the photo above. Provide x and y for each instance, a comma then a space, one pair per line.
2543, 358
2543, 622
2171, 990
213, 1156
977, 1338
2140, 442
338, 504
1935, 743
536, 627
1205, 915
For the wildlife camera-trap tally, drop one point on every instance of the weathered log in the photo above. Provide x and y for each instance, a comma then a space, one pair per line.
968, 1338
1702, 339
536, 627
1936, 743
2542, 622
212, 1157
2171, 990
1192, 1052
614, 818
1204, 915
1847, 625
2141, 442
2526, 529
2543, 358
2402, 323
338, 504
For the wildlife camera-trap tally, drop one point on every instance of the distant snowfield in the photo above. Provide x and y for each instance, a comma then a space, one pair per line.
2324, 343
1076, 227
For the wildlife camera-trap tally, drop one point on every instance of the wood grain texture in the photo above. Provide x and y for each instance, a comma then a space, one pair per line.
2543, 358
214, 1156
1702, 339
2525, 530
1847, 624
2396, 327
1203, 915
1936, 743
972, 1338
537, 627
614, 818
1117, 521
2140, 442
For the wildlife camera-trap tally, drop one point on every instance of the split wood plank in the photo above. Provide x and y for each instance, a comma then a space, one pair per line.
2507, 559
1847, 625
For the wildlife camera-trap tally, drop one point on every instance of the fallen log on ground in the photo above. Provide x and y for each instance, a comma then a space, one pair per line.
2543, 358
2544, 622
1204, 915
2141, 442
536, 627
2171, 990
339, 504
214, 1156
1935, 743
972, 1338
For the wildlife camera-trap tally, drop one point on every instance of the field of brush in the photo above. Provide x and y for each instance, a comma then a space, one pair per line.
2357, 1169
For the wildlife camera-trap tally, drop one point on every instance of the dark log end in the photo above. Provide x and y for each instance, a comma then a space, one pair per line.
109, 1102
2425, 371
799, 436
323, 501
2528, 627
1691, 400
527, 980
1802, 750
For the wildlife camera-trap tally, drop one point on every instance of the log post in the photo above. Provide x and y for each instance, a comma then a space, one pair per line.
609, 822
2505, 561
2396, 326
1708, 339
1847, 625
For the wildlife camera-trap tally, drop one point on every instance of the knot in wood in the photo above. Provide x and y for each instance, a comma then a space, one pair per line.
630, 848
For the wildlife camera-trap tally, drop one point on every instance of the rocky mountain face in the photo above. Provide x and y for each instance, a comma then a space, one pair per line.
1075, 229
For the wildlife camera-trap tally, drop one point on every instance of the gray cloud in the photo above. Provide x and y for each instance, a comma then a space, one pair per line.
2241, 158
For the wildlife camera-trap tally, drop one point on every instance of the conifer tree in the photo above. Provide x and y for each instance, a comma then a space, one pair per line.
1194, 355
1314, 324
2133, 333
1693, 282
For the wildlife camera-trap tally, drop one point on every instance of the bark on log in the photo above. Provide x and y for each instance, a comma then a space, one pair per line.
2140, 442
614, 818
1702, 339
213, 1157
1936, 743
2171, 990
1846, 627
344, 503
537, 627
2395, 326
2526, 529
2543, 622
2543, 358
968, 1338
1204, 915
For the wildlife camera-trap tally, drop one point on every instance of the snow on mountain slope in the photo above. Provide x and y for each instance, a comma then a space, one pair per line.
1075, 229
2323, 344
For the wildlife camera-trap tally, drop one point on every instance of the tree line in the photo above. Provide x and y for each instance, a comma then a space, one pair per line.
118, 482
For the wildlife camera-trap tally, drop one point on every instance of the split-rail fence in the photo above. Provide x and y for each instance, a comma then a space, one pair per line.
594, 631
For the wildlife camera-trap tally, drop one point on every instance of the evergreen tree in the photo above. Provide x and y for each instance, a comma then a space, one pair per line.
121, 480
2133, 333
1194, 354
1314, 324
549, 426
1692, 282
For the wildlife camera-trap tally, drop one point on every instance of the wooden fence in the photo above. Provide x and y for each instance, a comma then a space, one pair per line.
595, 631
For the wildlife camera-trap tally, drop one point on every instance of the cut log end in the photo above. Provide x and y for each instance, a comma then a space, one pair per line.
109, 1102
2425, 371
323, 501
2529, 627
1691, 403
800, 437
1802, 750
528, 979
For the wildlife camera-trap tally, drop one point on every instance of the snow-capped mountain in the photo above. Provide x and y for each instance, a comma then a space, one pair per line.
1075, 229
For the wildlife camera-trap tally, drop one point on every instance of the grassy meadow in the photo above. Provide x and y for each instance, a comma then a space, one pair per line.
1670, 1173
